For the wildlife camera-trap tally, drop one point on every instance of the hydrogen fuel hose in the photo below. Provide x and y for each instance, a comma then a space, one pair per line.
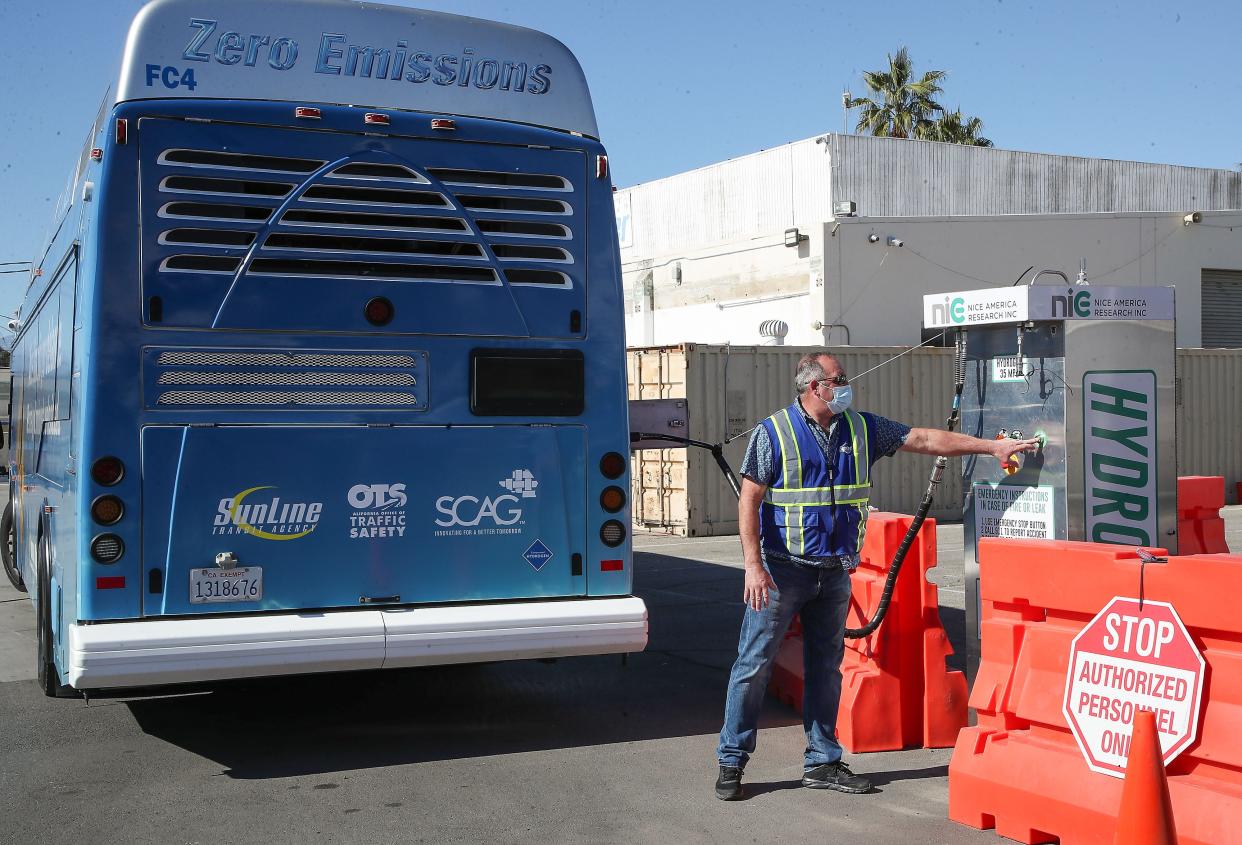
920, 514
937, 473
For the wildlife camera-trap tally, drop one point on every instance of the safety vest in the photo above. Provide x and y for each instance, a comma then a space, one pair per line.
816, 507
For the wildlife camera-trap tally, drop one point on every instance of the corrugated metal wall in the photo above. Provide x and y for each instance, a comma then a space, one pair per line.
1209, 415
894, 177
796, 184
730, 389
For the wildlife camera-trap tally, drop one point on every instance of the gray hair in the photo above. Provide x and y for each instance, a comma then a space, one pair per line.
809, 369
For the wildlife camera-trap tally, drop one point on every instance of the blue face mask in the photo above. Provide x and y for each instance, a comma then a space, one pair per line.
841, 398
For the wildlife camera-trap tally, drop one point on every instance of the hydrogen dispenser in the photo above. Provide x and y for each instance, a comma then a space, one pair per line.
1090, 371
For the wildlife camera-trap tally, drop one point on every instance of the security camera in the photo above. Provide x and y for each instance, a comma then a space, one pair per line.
895, 241
14, 325
873, 238
1192, 217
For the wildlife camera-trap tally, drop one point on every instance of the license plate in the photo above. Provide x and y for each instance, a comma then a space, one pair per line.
244, 583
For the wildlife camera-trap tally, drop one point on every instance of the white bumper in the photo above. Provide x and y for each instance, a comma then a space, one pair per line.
171, 651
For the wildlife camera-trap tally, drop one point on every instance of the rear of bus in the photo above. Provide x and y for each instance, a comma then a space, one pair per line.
354, 374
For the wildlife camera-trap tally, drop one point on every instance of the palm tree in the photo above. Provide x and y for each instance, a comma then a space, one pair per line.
902, 108
954, 128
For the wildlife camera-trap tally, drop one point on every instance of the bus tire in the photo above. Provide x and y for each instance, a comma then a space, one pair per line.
49, 678
8, 551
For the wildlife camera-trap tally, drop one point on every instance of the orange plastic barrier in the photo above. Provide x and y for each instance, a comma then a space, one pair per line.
895, 691
1019, 769
1200, 529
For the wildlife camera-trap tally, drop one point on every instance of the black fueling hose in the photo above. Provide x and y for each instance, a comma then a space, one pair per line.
717, 450
937, 474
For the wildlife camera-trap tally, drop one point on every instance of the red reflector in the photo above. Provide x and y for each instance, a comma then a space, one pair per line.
611, 565
110, 582
377, 119
122, 126
307, 111
443, 123
96, 154
601, 167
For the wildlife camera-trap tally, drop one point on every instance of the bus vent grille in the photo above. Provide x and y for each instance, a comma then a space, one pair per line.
273, 216
287, 379
273, 398
253, 378
493, 179
281, 359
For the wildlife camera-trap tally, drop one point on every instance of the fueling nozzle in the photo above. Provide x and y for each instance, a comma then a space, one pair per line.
1011, 463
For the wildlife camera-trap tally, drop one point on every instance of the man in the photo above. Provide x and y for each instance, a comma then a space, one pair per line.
801, 517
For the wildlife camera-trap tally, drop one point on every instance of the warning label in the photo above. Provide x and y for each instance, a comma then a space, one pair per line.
1010, 368
1009, 510
1132, 657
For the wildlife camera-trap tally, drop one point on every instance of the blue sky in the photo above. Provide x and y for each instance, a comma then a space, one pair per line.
681, 85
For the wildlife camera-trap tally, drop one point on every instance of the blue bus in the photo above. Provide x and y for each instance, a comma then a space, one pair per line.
323, 366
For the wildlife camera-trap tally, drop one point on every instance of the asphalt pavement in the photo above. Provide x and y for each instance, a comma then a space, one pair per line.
580, 750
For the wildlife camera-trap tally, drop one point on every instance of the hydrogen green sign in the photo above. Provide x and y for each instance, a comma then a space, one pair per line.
1119, 442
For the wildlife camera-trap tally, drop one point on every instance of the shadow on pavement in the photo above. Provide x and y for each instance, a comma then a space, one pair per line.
281, 727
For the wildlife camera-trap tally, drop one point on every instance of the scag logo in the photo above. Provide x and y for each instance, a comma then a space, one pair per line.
469, 511
489, 514
521, 481
380, 496
1080, 303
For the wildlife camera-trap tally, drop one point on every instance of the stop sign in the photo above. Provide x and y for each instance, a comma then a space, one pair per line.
1126, 660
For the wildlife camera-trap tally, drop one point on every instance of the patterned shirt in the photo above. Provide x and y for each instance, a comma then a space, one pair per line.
759, 465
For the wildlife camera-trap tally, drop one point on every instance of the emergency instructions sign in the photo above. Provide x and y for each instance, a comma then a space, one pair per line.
1012, 510
1126, 660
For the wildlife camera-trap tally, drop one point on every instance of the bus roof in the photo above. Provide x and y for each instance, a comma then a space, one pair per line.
353, 53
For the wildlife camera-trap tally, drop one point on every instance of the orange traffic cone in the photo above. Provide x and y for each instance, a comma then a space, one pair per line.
1146, 814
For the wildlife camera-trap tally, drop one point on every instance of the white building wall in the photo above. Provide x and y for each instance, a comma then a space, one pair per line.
873, 292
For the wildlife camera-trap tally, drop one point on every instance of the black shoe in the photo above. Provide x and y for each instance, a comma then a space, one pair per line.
729, 784
835, 776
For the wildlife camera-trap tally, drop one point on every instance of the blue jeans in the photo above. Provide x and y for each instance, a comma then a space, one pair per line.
821, 596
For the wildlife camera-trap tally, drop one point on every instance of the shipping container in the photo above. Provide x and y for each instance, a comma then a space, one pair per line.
730, 389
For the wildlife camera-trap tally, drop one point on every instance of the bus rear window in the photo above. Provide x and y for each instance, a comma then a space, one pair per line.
523, 382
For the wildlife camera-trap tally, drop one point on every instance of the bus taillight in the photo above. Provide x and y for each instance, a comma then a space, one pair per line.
122, 130
107, 510
307, 112
612, 533
107, 471
375, 119
443, 123
612, 499
612, 465
601, 167
107, 548
378, 311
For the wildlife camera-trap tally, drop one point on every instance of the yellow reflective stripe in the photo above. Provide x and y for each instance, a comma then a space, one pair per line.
862, 447
809, 497
862, 525
797, 451
815, 503
824, 489
795, 533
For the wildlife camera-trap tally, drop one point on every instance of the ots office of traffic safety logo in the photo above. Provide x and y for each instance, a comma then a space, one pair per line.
377, 511
267, 517
468, 515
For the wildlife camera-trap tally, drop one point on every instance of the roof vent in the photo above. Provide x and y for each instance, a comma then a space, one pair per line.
773, 332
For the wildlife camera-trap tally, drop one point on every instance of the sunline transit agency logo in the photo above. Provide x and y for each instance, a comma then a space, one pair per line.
265, 517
